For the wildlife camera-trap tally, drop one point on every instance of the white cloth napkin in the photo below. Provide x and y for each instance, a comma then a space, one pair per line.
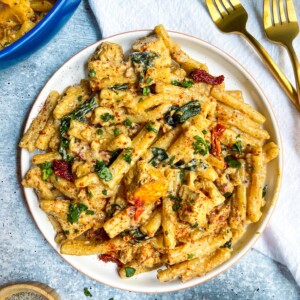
281, 239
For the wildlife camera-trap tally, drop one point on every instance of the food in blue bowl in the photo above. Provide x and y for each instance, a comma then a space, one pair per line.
27, 25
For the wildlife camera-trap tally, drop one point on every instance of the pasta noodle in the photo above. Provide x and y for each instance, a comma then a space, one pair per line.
146, 166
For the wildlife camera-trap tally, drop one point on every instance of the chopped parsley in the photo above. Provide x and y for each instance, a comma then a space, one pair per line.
90, 212
79, 98
76, 230
150, 128
204, 131
103, 171
175, 82
106, 117
67, 232
232, 163
145, 91
116, 132
47, 170
75, 211
129, 271
200, 145
195, 225
148, 80
166, 232
190, 256
127, 122
187, 83
100, 132
90, 193
104, 192
176, 206
119, 87
237, 147
87, 293
127, 156
92, 73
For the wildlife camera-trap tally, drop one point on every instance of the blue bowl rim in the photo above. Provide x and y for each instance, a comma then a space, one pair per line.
43, 23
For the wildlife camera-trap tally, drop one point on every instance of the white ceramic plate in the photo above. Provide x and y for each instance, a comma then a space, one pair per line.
236, 77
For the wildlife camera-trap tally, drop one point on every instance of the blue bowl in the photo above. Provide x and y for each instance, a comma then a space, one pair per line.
39, 35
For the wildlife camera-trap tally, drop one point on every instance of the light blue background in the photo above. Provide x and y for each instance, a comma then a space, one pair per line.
26, 256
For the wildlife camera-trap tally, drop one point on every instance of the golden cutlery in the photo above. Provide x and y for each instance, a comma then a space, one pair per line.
282, 28
231, 17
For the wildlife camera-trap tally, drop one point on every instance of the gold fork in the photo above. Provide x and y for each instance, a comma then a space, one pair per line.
283, 29
231, 17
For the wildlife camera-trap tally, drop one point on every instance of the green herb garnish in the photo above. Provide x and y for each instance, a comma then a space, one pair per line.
150, 128
187, 83
190, 256
232, 163
47, 170
200, 145
100, 132
103, 171
227, 195
90, 212
159, 155
106, 117
129, 271
127, 122
145, 91
104, 192
175, 82
148, 80
75, 211
237, 147
119, 87
228, 244
116, 132
92, 73
178, 115
127, 156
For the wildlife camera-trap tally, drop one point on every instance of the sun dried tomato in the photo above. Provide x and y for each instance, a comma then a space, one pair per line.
139, 205
199, 75
63, 169
110, 258
215, 142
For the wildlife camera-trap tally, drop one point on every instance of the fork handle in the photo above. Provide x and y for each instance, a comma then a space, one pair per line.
280, 77
296, 67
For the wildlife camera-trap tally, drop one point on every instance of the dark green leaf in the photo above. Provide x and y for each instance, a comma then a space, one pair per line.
113, 155
178, 115
232, 163
100, 132
176, 206
142, 60
190, 256
149, 80
159, 155
204, 131
190, 166
90, 212
104, 192
127, 156
79, 98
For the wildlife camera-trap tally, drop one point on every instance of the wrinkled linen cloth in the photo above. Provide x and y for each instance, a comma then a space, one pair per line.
281, 238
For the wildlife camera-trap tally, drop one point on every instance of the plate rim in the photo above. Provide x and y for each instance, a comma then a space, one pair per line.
249, 245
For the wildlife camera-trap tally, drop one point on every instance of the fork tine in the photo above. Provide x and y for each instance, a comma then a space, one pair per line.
291, 13
214, 13
221, 8
282, 12
267, 14
234, 2
275, 12
227, 6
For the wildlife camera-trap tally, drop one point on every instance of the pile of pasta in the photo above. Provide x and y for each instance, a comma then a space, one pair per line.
17, 17
150, 162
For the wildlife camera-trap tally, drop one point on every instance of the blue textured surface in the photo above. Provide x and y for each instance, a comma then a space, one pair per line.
40, 34
26, 256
